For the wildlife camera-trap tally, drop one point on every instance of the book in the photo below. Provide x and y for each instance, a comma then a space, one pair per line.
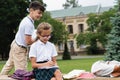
73, 74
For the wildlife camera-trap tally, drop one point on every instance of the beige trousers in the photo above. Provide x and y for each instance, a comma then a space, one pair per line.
17, 58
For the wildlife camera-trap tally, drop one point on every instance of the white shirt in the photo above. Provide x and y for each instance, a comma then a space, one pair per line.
42, 52
104, 68
26, 27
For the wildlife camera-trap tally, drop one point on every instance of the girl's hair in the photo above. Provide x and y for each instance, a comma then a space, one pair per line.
43, 26
36, 5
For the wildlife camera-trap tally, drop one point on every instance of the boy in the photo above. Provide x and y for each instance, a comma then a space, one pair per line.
18, 52
43, 55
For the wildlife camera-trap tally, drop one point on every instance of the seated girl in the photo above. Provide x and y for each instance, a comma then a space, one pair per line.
43, 55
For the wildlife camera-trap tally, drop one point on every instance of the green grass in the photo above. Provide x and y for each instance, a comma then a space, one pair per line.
68, 65
82, 64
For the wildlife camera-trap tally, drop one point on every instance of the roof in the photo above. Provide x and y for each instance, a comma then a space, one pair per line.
78, 11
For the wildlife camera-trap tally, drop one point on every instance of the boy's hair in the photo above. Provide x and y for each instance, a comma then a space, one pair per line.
43, 26
37, 5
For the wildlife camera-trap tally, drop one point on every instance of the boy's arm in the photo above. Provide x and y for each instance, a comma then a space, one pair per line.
28, 39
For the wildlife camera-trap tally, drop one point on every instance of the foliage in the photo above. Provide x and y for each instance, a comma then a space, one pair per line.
105, 25
66, 54
99, 27
86, 38
113, 46
101, 23
93, 22
90, 39
70, 3
12, 11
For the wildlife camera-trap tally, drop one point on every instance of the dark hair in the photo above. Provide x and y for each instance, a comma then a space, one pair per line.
37, 5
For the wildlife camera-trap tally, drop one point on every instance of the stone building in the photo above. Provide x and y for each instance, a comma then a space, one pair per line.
75, 21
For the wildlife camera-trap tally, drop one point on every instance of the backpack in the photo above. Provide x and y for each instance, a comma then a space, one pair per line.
22, 75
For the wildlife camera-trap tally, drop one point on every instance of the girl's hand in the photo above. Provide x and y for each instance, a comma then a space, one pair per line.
50, 63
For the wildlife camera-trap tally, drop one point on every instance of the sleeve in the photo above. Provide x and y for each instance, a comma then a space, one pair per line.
32, 52
29, 29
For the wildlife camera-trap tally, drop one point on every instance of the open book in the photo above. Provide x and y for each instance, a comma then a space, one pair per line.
73, 74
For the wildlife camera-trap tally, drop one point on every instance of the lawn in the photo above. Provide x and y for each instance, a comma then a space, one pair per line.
68, 65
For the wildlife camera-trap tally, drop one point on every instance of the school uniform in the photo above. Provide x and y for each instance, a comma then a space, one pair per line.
43, 53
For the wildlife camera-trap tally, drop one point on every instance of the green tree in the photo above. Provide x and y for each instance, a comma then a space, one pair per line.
70, 4
66, 53
90, 39
105, 25
113, 46
93, 22
99, 27
11, 12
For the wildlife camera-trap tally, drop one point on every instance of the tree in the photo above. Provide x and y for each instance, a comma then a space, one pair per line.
99, 27
90, 39
66, 53
70, 4
93, 22
105, 25
113, 46
12, 11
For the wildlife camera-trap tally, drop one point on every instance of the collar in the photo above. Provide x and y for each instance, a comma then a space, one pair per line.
42, 42
30, 19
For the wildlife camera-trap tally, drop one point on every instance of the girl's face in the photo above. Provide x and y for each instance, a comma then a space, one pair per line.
36, 14
45, 35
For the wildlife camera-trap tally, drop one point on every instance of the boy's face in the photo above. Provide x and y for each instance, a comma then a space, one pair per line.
45, 35
36, 14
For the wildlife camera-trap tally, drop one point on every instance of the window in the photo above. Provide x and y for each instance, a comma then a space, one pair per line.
60, 46
80, 28
71, 43
70, 29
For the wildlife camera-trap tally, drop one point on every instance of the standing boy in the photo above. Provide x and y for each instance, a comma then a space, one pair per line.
18, 52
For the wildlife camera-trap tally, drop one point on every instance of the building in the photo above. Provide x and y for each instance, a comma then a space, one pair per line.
75, 21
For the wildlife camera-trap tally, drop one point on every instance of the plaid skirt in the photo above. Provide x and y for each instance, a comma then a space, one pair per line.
44, 74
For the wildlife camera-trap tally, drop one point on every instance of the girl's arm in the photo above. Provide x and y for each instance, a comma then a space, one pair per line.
38, 65
54, 60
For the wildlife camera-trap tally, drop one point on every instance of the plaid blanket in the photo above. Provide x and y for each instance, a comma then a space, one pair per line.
44, 74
